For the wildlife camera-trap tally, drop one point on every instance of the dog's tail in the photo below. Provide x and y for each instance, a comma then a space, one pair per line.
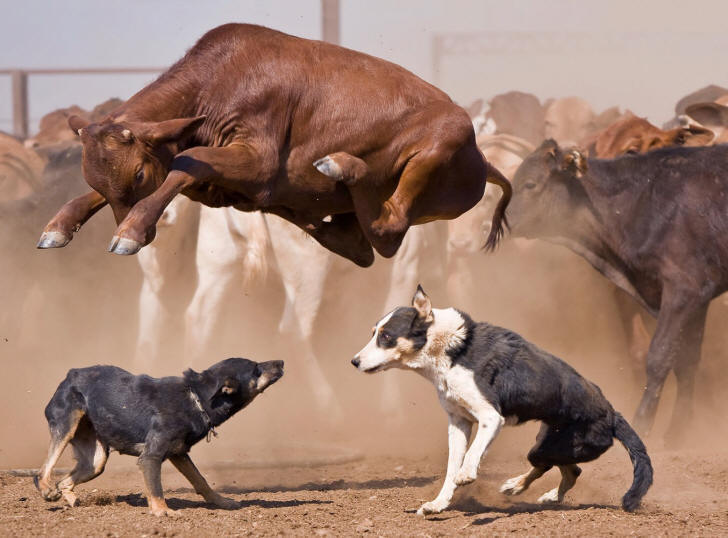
640, 461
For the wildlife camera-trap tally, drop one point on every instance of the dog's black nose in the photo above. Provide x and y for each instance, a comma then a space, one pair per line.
355, 361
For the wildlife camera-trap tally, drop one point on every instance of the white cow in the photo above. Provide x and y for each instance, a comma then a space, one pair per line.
237, 249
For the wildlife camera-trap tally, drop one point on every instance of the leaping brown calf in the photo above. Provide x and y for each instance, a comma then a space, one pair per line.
257, 119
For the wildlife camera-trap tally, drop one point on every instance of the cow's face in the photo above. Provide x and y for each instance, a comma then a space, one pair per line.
637, 135
547, 191
127, 161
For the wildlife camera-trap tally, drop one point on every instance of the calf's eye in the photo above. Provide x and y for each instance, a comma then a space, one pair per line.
530, 184
139, 176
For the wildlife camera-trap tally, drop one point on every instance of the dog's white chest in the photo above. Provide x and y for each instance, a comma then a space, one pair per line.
459, 394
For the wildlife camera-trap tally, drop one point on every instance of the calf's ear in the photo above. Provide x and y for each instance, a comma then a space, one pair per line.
163, 132
76, 123
421, 302
575, 162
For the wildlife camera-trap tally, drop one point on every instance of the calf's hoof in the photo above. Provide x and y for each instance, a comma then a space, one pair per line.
53, 239
124, 246
329, 167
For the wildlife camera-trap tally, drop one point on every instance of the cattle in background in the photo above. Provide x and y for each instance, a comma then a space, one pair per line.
712, 115
517, 114
568, 120
631, 134
303, 129
707, 94
467, 234
235, 251
20, 169
656, 226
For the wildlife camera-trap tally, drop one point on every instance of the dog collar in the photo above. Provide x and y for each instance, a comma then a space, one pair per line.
208, 423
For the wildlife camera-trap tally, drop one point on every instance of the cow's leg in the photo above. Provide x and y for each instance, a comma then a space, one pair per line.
439, 182
238, 166
686, 368
342, 235
185, 466
59, 231
637, 335
679, 311
342, 167
219, 266
458, 432
404, 277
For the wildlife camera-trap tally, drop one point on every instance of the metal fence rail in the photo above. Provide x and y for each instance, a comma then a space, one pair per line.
19, 82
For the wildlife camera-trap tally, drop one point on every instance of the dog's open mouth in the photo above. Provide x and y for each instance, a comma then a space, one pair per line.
374, 369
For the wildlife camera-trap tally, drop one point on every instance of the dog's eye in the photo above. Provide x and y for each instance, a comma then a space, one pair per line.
386, 336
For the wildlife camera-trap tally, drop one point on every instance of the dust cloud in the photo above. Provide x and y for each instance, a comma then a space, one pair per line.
78, 306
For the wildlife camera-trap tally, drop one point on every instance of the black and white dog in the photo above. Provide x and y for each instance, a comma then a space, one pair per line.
104, 408
490, 376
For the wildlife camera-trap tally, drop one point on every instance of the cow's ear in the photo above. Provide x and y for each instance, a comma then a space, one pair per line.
421, 302
708, 114
167, 131
693, 135
76, 123
575, 162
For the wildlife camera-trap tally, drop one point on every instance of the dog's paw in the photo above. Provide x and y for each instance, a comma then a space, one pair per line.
432, 507
465, 476
550, 497
161, 512
513, 486
71, 498
224, 502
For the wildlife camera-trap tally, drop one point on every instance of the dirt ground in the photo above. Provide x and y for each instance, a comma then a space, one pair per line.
290, 462
377, 495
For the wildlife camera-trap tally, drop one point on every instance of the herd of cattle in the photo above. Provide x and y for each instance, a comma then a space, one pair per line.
653, 222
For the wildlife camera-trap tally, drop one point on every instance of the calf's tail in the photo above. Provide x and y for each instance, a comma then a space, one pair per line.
640, 462
499, 215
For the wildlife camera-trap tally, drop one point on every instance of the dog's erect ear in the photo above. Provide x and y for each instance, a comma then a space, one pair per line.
422, 304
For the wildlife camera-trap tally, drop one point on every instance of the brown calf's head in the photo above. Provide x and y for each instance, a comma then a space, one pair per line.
631, 134
548, 191
126, 161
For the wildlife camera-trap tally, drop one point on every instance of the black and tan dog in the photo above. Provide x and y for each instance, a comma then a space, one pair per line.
488, 376
104, 408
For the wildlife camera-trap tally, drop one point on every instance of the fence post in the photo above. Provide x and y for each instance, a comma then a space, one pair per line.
20, 103
330, 21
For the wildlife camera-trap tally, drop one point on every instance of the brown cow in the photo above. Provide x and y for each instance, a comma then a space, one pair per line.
350, 148
631, 134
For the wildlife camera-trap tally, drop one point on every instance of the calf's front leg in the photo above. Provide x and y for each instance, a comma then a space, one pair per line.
458, 432
235, 166
69, 219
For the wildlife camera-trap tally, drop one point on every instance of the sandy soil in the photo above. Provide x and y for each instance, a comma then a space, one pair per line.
378, 495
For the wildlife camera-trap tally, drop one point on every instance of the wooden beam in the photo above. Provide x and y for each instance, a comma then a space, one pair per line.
20, 103
330, 27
